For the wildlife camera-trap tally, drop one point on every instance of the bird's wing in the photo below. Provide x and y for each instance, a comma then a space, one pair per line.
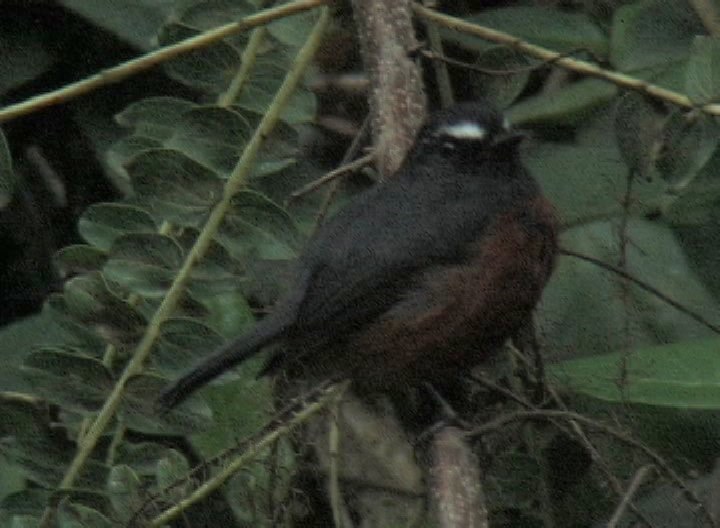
361, 276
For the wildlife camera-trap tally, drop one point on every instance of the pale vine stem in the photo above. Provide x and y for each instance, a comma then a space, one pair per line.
559, 59
149, 60
144, 62
333, 395
235, 182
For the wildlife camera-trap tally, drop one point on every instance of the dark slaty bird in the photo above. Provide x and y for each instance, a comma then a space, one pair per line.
419, 278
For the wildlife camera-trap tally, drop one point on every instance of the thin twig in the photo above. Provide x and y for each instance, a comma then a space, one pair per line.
349, 154
645, 286
637, 480
578, 66
352, 166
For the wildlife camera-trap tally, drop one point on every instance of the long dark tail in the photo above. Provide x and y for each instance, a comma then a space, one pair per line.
270, 329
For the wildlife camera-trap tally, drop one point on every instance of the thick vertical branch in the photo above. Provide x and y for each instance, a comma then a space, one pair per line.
456, 490
397, 98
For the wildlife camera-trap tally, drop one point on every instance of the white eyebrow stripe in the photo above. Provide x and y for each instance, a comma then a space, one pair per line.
464, 130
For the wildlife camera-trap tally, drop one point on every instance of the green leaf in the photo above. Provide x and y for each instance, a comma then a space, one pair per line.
102, 223
702, 85
551, 28
88, 299
260, 91
569, 105
587, 310
585, 181
30, 501
637, 127
181, 344
132, 21
293, 31
8, 179
210, 68
63, 376
77, 259
682, 375
29, 441
145, 264
72, 515
207, 14
140, 412
124, 490
172, 467
142, 457
70, 329
154, 117
121, 152
650, 33
213, 136
175, 187
688, 142
257, 226
496, 85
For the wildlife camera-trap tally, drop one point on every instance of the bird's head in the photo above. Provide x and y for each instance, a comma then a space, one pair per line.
474, 130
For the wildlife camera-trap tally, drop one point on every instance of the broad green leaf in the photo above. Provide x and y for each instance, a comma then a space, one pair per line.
145, 264
172, 467
213, 136
102, 223
207, 14
637, 127
181, 345
265, 82
132, 21
29, 441
63, 376
688, 142
73, 515
29, 501
79, 258
587, 181
649, 33
507, 74
569, 105
72, 331
684, 375
587, 310
121, 152
154, 117
88, 299
257, 226
551, 28
293, 31
210, 68
698, 207
175, 187
142, 457
124, 490
702, 85
140, 412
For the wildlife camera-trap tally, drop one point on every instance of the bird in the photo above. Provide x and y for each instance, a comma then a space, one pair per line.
419, 278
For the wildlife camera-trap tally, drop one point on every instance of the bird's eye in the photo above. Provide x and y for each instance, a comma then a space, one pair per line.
464, 130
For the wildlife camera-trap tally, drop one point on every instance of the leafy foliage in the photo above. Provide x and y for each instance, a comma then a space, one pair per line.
633, 177
176, 158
